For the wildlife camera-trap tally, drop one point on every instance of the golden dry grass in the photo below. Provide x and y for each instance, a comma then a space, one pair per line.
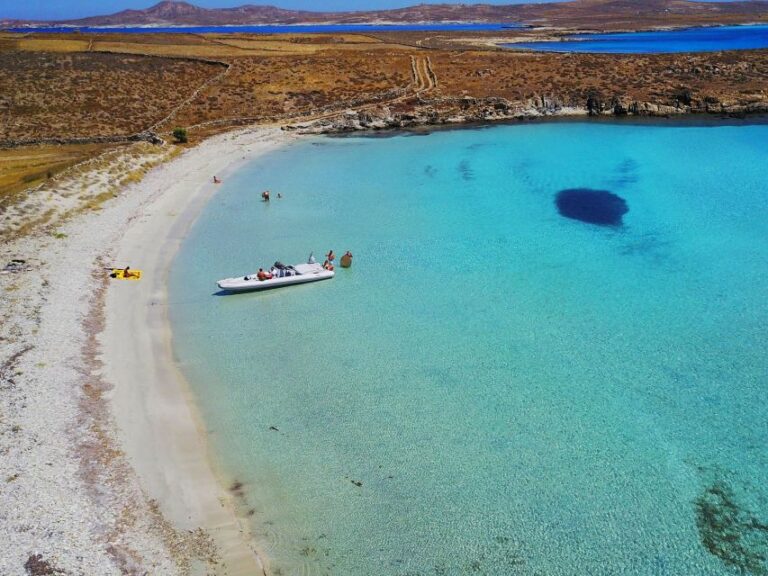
234, 45
657, 78
202, 50
273, 86
274, 77
62, 92
97, 178
43, 44
21, 168
54, 95
188, 45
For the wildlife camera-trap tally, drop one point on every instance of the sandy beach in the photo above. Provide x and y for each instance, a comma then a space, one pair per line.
105, 458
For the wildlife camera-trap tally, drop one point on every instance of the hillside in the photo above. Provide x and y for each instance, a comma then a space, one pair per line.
590, 14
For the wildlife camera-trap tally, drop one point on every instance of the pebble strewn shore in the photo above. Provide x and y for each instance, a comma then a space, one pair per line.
72, 502
51, 515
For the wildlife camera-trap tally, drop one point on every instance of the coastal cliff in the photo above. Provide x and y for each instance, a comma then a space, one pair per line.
443, 111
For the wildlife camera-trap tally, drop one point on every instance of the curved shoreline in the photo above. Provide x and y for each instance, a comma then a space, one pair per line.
51, 363
106, 470
158, 422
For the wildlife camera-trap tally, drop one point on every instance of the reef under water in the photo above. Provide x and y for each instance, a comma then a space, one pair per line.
592, 206
492, 388
731, 532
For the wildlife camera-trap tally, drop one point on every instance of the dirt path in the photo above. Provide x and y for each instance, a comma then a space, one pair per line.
424, 77
416, 77
217, 42
430, 72
191, 98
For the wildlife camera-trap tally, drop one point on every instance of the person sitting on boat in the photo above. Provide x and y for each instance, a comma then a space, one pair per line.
263, 274
265, 195
128, 273
328, 265
330, 256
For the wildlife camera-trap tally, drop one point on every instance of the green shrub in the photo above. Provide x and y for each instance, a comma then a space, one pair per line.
180, 135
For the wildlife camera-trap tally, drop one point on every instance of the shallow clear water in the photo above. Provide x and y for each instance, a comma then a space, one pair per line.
687, 40
518, 392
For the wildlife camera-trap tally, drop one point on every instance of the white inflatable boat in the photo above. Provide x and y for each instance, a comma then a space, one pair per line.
285, 276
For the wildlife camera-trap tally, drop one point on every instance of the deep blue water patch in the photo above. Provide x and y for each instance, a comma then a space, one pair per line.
592, 206
566, 439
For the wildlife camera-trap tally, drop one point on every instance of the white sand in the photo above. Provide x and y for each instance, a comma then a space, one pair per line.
103, 465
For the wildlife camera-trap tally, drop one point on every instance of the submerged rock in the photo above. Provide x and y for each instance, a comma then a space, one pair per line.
592, 206
730, 531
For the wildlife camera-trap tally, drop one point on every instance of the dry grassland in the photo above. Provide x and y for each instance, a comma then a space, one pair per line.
50, 95
85, 85
292, 43
22, 168
188, 45
270, 87
572, 78
83, 187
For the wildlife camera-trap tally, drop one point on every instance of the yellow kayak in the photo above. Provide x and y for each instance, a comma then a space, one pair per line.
119, 274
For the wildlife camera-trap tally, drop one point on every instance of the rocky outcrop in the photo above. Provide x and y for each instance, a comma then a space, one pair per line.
437, 111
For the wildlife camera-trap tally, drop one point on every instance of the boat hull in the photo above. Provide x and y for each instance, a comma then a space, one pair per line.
307, 273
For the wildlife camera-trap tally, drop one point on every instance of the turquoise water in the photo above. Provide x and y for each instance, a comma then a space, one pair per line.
517, 392
685, 40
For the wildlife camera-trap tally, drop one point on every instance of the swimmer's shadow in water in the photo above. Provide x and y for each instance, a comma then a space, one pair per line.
626, 174
466, 171
650, 246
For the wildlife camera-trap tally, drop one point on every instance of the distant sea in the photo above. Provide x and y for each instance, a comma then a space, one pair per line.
285, 29
497, 385
708, 39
